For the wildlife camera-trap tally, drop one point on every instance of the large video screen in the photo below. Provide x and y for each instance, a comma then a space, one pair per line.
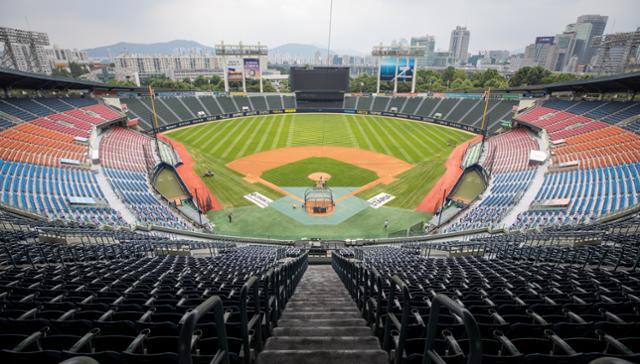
319, 79
388, 69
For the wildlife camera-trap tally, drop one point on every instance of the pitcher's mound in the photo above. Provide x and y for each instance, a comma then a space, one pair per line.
317, 176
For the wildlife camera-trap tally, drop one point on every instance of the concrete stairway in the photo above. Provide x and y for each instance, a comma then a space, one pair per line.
321, 324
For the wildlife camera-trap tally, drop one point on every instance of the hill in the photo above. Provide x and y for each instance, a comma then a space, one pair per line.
148, 48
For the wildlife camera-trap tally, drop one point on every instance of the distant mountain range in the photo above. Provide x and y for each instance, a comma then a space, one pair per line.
295, 50
150, 48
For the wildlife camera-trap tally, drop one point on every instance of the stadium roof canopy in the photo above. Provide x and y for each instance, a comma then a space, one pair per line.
628, 82
33, 81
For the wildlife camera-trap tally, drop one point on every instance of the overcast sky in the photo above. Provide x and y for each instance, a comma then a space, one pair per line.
357, 24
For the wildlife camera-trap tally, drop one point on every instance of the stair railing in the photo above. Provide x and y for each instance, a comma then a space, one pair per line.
473, 333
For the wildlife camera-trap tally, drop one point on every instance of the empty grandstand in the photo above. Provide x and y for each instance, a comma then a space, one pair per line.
541, 267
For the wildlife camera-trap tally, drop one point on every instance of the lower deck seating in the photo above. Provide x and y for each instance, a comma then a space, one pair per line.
518, 311
505, 192
127, 156
49, 191
583, 195
139, 307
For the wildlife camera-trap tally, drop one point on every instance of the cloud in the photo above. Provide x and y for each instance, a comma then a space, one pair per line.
357, 24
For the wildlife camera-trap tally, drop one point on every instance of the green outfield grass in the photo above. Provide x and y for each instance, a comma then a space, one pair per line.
214, 144
270, 223
342, 174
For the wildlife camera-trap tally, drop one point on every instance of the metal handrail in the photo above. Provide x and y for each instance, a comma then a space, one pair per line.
392, 320
250, 324
473, 333
188, 324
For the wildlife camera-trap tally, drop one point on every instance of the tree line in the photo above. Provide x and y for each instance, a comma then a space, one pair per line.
452, 79
449, 79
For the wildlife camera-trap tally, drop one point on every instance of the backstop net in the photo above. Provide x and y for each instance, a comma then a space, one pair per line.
318, 200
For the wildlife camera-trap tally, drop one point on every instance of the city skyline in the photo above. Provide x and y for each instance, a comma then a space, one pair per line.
353, 29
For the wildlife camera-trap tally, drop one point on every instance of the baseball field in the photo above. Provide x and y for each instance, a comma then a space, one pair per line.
272, 155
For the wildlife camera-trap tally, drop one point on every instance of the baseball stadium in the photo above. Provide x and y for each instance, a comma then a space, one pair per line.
318, 224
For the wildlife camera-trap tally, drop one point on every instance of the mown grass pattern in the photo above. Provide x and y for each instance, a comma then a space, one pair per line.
342, 174
425, 145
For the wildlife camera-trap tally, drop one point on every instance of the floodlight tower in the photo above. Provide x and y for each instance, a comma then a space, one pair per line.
242, 52
24, 50
407, 52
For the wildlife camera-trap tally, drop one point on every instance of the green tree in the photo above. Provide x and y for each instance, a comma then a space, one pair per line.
60, 72
529, 76
363, 83
77, 69
121, 83
448, 75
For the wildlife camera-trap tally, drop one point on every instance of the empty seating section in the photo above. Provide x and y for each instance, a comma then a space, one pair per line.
427, 106
127, 156
606, 158
471, 155
274, 102
463, 107
137, 108
505, 191
53, 104
589, 194
48, 191
4, 124
350, 102
624, 114
172, 109
364, 102
380, 103
411, 106
633, 126
211, 104
26, 109
561, 124
227, 104
79, 101
289, 102
609, 111
122, 148
164, 112
176, 105
243, 101
133, 189
259, 103
50, 145
194, 105
603, 147
444, 107
167, 154
44, 159
507, 159
503, 110
509, 151
396, 102
475, 309
114, 299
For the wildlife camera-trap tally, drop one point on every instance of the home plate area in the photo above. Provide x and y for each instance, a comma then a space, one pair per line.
345, 208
